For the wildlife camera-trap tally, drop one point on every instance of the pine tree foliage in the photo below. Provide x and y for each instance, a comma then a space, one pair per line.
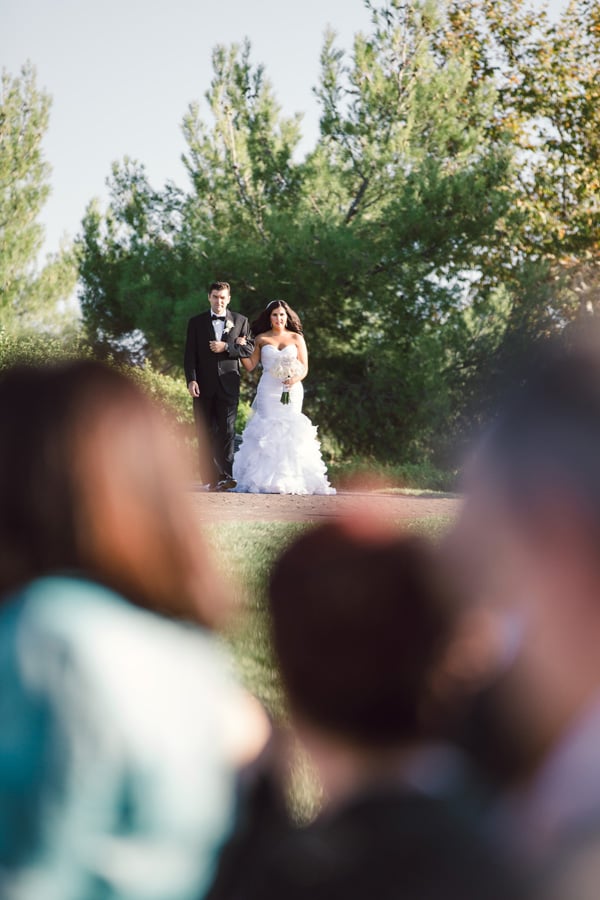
447, 213
27, 296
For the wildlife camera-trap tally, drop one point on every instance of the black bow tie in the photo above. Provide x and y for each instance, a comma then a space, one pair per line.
218, 318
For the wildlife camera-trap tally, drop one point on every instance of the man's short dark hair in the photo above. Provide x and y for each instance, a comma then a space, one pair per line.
358, 623
219, 286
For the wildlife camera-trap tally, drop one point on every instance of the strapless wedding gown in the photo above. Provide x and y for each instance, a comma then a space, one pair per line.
280, 453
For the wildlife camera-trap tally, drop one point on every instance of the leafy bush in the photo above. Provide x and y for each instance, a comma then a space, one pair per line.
29, 347
420, 476
169, 392
172, 393
244, 413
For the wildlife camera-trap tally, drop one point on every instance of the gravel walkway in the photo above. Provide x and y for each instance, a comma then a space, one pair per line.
289, 508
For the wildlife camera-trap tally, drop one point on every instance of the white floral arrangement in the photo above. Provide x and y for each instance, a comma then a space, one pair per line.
284, 369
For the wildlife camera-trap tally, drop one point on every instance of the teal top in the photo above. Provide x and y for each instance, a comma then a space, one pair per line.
115, 780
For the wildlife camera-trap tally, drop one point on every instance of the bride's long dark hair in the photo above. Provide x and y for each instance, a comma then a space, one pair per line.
262, 322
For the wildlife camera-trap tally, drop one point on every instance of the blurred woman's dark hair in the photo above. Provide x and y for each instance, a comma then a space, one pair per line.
262, 322
360, 621
91, 484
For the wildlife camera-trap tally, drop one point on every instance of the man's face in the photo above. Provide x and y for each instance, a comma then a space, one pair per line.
219, 301
533, 562
534, 570
490, 551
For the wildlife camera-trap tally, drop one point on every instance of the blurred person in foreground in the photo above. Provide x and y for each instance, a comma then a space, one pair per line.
361, 620
529, 541
122, 729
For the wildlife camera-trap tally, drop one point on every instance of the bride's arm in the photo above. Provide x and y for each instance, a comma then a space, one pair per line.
251, 362
303, 356
303, 359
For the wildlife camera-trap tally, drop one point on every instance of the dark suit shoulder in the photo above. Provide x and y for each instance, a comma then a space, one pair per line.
387, 845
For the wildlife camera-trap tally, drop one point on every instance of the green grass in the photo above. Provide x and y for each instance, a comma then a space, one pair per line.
419, 476
245, 552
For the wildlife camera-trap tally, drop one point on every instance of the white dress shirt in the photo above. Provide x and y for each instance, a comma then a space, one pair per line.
219, 328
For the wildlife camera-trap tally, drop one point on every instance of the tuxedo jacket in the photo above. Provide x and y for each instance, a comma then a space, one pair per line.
216, 370
387, 843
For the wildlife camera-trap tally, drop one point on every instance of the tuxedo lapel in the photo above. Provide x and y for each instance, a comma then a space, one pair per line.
229, 322
207, 327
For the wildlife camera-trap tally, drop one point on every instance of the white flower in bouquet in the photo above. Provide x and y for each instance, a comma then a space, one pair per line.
284, 369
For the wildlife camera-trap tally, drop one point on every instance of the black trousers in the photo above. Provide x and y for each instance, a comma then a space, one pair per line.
215, 415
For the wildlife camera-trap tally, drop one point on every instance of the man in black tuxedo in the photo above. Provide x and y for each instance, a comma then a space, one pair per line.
212, 372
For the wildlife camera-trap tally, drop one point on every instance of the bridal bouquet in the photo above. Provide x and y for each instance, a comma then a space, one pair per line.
283, 370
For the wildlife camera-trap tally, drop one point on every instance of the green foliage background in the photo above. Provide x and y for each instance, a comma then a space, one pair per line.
445, 221
29, 297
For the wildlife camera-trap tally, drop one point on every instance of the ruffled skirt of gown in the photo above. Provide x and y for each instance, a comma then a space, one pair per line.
280, 452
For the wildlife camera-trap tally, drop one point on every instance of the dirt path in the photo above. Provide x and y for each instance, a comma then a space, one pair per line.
288, 508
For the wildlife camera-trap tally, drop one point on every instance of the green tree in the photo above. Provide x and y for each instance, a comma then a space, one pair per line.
546, 74
544, 271
146, 262
373, 237
27, 296
133, 268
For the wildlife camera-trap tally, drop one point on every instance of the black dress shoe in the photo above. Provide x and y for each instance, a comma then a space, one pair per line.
226, 484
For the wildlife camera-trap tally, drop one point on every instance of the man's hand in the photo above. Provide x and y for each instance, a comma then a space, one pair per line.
217, 346
194, 388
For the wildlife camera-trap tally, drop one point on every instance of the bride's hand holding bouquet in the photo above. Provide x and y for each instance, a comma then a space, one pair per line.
289, 372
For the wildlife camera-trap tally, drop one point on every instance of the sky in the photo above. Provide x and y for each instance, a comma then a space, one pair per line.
121, 74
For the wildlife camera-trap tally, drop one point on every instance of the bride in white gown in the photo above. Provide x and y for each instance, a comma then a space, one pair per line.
280, 453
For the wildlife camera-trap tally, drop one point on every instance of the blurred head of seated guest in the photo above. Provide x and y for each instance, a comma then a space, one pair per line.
530, 536
91, 483
126, 728
361, 619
